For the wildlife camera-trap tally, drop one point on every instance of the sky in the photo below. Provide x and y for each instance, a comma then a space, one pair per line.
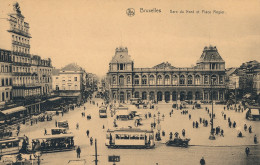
87, 32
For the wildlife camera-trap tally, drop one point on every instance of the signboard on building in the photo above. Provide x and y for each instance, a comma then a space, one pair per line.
113, 158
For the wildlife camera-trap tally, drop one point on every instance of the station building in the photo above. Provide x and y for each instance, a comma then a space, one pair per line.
165, 82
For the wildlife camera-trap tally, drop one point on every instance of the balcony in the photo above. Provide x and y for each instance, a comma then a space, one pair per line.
20, 32
21, 54
21, 44
21, 74
25, 86
21, 64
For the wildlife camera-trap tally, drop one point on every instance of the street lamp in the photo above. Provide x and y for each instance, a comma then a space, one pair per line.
158, 128
211, 136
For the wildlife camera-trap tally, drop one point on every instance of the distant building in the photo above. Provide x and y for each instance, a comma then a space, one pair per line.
165, 82
256, 81
6, 81
70, 82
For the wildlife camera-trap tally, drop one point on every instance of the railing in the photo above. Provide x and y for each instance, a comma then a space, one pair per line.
21, 74
21, 32
174, 69
21, 54
22, 64
21, 44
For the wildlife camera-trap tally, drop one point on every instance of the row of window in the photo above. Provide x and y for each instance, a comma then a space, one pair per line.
20, 39
5, 96
69, 79
31, 79
6, 82
5, 68
167, 81
31, 70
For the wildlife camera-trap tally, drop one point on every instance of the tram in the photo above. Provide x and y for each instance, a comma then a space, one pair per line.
10, 145
103, 112
129, 138
53, 143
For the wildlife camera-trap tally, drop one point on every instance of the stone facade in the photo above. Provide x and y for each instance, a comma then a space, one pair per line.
164, 82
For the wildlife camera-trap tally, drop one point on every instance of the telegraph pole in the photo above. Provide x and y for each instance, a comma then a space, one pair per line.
96, 160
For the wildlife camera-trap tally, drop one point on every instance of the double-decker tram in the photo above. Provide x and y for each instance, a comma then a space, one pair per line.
129, 138
9, 145
53, 143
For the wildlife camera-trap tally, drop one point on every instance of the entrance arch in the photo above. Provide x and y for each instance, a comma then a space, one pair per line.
189, 95
137, 95
167, 96
182, 96
144, 96
215, 95
197, 95
151, 96
159, 96
122, 97
174, 96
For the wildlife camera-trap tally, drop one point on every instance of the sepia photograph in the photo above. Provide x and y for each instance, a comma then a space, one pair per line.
129, 82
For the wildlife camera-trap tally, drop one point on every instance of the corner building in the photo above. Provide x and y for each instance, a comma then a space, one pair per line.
165, 82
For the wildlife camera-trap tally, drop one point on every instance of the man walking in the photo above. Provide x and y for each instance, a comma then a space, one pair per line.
202, 161
78, 152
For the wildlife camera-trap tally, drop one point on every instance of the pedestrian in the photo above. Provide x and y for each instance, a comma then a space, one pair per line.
234, 124
193, 124
84, 108
77, 126
222, 132
189, 116
255, 139
170, 135
200, 120
183, 132
225, 116
91, 141
56, 123
170, 114
202, 161
87, 133
229, 124
31, 122
78, 152
197, 124
250, 129
247, 150
103, 126
245, 127
45, 131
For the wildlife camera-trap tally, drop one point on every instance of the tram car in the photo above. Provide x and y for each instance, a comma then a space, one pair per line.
10, 145
130, 138
53, 143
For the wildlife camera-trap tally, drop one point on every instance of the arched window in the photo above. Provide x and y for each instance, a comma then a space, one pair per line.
182, 79
136, 80
221, 79
128, 80
151, 80
136, 94
189, 79
214, 79
174, 80
159, 80
114, 80
121, 80
144, 80
206, 79
197, 79
167, 80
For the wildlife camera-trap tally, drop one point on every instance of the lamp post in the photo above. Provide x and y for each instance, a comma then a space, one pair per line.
211, 136
158, 127
154, 116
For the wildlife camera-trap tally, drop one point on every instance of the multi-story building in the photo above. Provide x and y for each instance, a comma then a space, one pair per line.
70, 82
5, 77
256, 81
164, 82
30, 75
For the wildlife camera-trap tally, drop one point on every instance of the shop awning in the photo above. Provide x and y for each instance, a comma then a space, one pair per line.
255, 111
13, 110
54, 99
